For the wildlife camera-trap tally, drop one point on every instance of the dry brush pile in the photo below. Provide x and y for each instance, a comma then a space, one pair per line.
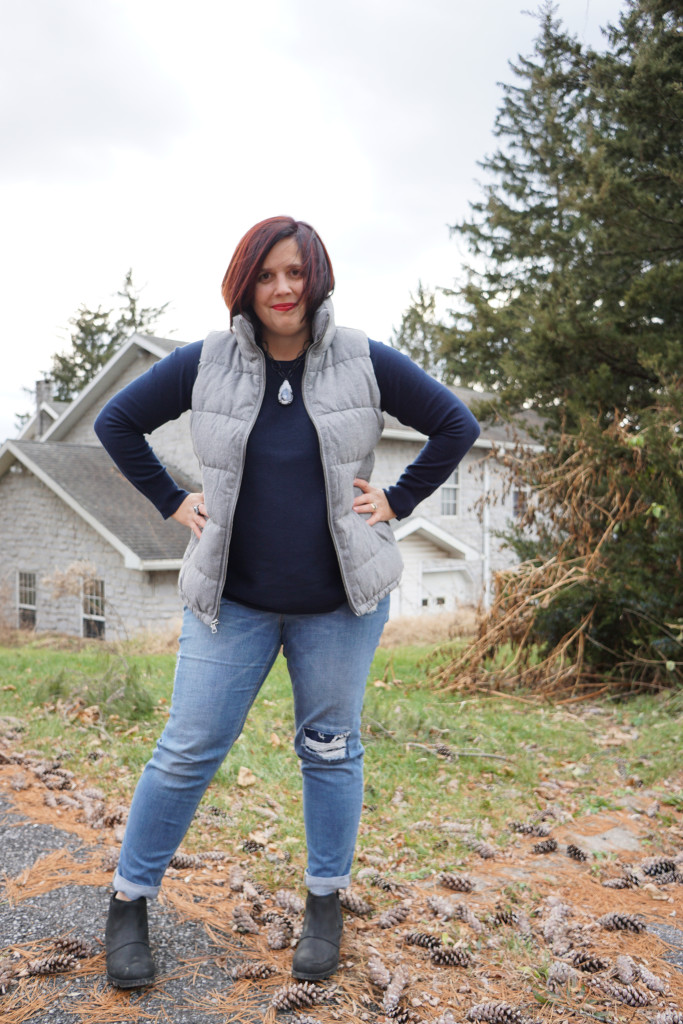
596, 604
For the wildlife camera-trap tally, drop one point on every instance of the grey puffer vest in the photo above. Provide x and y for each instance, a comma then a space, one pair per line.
341, 396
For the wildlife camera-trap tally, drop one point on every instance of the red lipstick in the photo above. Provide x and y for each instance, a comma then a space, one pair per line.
282, 307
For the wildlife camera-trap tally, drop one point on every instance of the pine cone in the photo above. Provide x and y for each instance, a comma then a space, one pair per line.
443, 751
182, 861
503, 917
523, 828
588, 963
393, 916
441, 907
296, 995
252, 846
244, 922
423, 939
384, 883
395, 989
626, 970
257, 969
628, 994
485, 850
617, 883
354, 903
289, 901
455, 957
560, 975
668, 1017
634, 876
467, 916
496, 1013
576, 853
55, 963
404, 1017
279, 933
669, 878
236, 878
73, 947
377, 972
621, 922
528, 828
459, 883
547, 846
657, 866
651, 980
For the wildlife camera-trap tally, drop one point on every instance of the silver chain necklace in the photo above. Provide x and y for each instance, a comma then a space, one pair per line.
285, 395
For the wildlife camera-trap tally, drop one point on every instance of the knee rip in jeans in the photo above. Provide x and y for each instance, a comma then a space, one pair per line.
326, 746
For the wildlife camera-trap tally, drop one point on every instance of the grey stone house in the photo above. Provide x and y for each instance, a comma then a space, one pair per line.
82, 552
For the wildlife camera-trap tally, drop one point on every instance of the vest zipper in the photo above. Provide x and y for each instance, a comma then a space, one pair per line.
224, 558
327, 486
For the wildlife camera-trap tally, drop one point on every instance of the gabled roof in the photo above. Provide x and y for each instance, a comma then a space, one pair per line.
51, 408
85, 478
93, 392
441, 538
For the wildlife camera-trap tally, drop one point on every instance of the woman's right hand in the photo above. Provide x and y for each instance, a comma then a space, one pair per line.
185, 513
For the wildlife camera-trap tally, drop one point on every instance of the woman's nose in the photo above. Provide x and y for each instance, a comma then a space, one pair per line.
281, 283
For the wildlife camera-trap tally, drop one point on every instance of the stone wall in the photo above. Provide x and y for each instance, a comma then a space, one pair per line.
47, 538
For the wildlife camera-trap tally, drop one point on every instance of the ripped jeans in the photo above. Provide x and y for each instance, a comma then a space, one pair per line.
217, 679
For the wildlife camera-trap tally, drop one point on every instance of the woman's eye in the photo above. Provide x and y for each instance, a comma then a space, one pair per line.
263, 276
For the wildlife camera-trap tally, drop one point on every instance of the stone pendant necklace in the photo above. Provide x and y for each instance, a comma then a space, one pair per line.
285, 395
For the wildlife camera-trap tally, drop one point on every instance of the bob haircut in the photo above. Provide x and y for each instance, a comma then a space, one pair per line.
240, 277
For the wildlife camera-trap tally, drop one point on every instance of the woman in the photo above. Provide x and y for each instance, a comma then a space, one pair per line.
290, 546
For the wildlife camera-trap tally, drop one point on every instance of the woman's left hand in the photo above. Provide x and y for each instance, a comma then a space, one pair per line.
373, 500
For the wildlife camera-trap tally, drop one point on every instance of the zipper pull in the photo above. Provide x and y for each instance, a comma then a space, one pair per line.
214, 626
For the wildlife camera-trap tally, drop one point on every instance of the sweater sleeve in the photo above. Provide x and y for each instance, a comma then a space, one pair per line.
420, 402
161, 394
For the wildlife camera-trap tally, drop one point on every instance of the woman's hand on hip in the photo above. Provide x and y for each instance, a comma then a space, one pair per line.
192, 513
373, 500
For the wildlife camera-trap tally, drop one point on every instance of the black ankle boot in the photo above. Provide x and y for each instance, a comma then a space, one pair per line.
129, 961
317, 954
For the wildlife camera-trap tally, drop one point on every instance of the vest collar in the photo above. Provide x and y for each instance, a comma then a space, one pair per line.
323, 329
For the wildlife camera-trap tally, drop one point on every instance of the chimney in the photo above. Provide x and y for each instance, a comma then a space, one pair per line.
43, 394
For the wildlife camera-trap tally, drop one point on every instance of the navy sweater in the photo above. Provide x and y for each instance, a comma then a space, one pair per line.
282, 557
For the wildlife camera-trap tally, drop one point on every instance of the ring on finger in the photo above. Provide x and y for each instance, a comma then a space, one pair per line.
195, 509
373, 506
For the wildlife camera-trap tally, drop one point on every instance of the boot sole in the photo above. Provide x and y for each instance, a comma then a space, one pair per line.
130, 982
314, 976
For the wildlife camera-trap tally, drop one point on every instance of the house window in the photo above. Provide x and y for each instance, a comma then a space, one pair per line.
27, 600
520, 501
93, 609
449, 495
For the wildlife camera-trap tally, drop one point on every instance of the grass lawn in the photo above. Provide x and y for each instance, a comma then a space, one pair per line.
429, 757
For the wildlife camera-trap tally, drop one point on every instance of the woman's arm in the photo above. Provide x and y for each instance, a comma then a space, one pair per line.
420, 402
161, 394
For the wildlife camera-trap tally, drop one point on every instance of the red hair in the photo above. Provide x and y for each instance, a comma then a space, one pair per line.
240, 277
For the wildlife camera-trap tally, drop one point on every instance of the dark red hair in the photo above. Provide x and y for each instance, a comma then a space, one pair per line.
240, 277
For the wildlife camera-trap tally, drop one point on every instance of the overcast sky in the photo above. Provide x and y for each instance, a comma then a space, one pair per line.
152, 133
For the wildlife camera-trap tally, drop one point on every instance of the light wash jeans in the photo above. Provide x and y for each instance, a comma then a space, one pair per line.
217, 679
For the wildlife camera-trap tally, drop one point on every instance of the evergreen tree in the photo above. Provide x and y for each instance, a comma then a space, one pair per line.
420, 334
578, 310
96, 335
573, 300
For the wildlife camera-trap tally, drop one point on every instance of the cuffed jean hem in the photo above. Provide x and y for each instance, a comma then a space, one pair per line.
134, 891
324, 886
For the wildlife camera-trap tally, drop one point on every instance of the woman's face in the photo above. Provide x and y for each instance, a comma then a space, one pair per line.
277, 295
